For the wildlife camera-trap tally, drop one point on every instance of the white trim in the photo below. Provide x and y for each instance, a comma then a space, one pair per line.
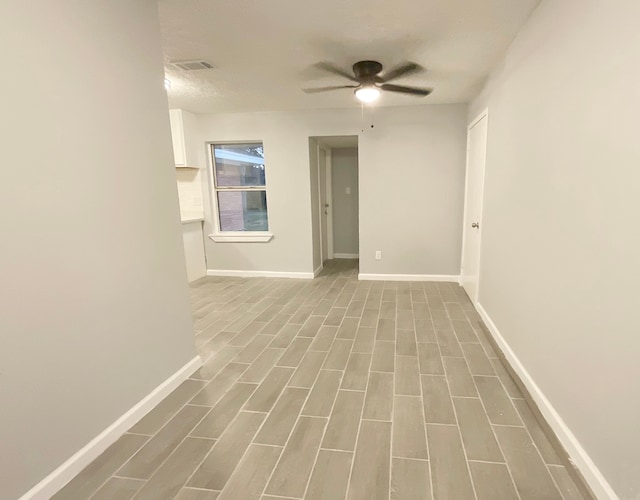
346, 256
577, 453
250, 237
465, 215
318, 271
259, 274
55, 481
453, 278
321, 209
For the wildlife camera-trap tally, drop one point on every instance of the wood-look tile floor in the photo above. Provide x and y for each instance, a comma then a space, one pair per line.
334, 389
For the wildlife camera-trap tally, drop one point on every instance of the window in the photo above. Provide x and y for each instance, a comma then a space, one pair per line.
239, 190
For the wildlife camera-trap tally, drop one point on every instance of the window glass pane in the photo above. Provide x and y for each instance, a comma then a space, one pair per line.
239, 164
243, 210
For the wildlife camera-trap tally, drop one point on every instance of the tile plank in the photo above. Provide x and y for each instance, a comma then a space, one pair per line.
449, 472
98, 471
171, 476
345, 418
330, 476
407, 380
217, 467
383, 356
250, 477
370, 474
409, 439
492, 481
269, 390
323, 394
497, 403
282, 418
378, 403
530, 474
357, 372
477, 434
410, 479
147, 460
294, 468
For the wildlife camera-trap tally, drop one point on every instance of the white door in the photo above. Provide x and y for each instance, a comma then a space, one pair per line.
474, 189
324, 204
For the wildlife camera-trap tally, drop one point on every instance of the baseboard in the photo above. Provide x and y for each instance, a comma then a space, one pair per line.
55, 481
346, 256
259, 274
318, 271
409, 277
577, 454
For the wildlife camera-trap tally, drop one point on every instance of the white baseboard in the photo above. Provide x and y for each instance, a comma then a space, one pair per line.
577, 453
55, 481
346, 256
259, 274
409, 277
318, 271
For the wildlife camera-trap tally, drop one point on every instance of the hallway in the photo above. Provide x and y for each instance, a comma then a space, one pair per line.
334, 388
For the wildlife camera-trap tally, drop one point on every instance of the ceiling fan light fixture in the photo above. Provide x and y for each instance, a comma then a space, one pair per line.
367, 93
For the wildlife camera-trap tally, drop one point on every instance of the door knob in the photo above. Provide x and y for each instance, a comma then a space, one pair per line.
326, 205
475, 225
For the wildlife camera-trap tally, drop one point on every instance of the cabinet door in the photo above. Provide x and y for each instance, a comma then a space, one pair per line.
177, 136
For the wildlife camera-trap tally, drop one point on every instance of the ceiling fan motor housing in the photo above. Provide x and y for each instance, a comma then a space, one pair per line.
367, 70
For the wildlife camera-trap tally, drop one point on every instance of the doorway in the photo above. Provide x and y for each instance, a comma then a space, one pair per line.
474, 190
335, 202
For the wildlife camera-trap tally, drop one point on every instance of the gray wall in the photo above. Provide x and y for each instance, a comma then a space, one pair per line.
411, 176
561, 239
95, 310
344, 173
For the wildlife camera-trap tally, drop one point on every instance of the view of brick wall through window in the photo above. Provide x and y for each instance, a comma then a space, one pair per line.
238, 167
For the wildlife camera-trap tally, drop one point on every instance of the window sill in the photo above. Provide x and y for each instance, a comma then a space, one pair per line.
241, 238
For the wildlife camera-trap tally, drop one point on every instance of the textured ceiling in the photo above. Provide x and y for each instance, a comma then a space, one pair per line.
263, 50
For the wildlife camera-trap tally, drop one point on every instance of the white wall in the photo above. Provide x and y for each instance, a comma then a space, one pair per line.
411, 187
561, 239
316, 242
345, 206
189, 182
94, 311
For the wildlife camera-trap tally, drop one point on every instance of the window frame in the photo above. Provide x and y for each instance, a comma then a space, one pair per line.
219, 235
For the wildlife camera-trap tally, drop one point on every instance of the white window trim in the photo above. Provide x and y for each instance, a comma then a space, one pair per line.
219, 236
246, 237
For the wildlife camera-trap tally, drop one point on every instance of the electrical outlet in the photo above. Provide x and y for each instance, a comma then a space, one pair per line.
348, 190
378, 255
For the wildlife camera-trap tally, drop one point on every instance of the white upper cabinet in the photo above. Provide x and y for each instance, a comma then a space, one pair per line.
184, 133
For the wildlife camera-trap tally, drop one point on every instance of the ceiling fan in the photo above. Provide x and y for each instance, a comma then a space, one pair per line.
369, 82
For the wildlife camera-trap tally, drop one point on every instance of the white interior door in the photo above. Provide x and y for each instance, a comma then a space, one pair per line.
324, 204
474, 189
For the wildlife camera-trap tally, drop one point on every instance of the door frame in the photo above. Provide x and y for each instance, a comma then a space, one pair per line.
328, 198
465, 222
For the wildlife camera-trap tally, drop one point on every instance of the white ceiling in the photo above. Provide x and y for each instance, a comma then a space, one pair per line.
263, 50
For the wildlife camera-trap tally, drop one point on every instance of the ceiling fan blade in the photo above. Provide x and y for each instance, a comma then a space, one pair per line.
335, 70
402, 70
325, 89
405, 90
